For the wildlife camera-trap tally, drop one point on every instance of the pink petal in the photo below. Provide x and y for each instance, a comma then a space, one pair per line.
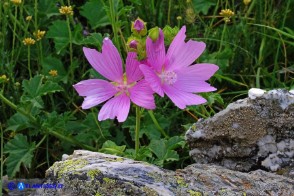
152, 79
95, 90
142, 95
94, 87
181, 99
181, 54
112, 58
108, 63
156, 52
118, 106
192, 78
133, 71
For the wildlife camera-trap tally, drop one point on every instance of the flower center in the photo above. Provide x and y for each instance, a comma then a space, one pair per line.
123, 87
168, 77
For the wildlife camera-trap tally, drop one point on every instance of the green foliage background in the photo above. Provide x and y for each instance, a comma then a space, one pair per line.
41, 118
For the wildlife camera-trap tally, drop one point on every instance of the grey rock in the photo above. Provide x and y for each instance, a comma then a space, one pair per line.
92, 173
251, 133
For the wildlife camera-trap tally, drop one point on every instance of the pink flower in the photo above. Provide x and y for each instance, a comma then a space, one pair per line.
139, 25
122, 89
172, 74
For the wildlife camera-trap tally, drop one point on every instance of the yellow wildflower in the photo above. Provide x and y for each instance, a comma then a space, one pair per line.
179, 18
39, 34
53, 72
3, 78
227, 14
246, 2
16, 2
66, 10
28, 18
28, 41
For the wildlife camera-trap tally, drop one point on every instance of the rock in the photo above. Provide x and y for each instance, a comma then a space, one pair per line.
252, 133
92, 173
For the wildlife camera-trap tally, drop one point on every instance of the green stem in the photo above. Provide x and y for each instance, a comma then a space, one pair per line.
2, 157
168, 13
29, 60
34, 121
137, 130
113, 24
71, 70
222, 37
157, 124
14, 34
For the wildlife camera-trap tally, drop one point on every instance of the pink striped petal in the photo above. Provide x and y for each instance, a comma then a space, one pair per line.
108, 63
152, 79
156, 52
113, 59
142, 95
94, 87
192, 78
133, 71
118, 106
181, 99
181, 54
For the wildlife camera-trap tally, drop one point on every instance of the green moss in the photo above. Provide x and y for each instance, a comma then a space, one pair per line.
98, 194
108, 180
194, 193
93, 173
181, 181
68, 166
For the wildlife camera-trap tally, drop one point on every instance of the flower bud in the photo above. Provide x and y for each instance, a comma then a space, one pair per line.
154, 33
139, 27
133, 44
169, 34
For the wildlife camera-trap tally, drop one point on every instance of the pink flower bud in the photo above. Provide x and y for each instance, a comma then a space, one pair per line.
133, 44
139, 25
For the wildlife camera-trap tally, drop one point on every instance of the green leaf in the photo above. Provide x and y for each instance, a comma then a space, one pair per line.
35, 88
111, 148
203, 5
52, 63
94, 11
94, 39
17, 122
58, 31
47, 8
175, 142
20, 152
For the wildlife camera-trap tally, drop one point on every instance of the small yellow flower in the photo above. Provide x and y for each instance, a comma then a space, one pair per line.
66, 10
39, 34
29, 18
16, 2
28, 41
179, 18
53, 72
246, 2
3, 78
227, 14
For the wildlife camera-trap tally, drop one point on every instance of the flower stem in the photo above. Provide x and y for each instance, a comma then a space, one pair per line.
137, 130
157, 124
71, 70
35, 122
168, 13
29, 61
2, 157
14, 34
113, 24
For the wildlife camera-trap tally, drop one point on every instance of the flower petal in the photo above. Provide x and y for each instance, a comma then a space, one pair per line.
181, 99
108, 63
192, 78
152, 79
94, 87
95, 90
181, 54
156, 52
112, 58
133, 71
118, 106
142, 95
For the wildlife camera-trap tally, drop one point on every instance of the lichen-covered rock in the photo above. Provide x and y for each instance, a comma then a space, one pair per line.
91, 173
252, 133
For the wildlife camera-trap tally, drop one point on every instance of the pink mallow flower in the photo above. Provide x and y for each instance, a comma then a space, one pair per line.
172, 74
121, 88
